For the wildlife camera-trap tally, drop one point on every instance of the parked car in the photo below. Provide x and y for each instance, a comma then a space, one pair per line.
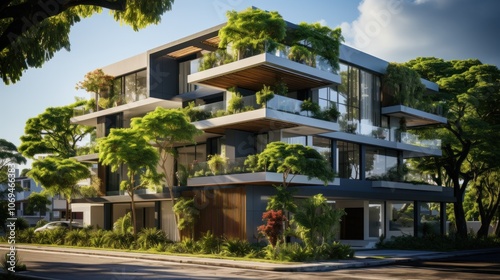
58, 224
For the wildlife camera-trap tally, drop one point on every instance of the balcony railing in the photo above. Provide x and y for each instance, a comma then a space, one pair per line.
226, 166
286, 104
319, 62
413, 139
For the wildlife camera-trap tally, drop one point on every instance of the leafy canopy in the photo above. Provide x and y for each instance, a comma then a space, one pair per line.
293, 159
52, 132
59, 176
31, 32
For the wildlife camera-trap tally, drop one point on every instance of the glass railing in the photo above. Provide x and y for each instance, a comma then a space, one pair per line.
286, 104
223, 167
319, 62
212, 107
413, 139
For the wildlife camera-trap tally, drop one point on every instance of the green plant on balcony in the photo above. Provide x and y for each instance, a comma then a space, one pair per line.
280, 87
252, 31
236, 103
330, 114
217, 164
214, 59
309, 40
195, 114
264, 95
101, 85
310, 106
403, 85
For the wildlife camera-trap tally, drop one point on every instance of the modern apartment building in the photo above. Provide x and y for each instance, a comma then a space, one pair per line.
366, 145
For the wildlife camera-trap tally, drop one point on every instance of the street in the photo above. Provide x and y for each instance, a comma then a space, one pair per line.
56, 265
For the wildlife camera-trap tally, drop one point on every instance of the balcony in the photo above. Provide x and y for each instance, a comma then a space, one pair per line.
414, 117
264, 69
234, 171
280, 113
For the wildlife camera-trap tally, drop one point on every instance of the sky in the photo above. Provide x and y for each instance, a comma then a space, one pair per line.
394, 30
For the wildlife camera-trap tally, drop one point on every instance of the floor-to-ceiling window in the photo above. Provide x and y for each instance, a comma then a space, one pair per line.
381, 164
348, 160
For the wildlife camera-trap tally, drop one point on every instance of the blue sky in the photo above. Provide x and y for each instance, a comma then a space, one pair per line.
395, 30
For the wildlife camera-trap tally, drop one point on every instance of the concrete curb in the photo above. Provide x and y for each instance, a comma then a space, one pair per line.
357, 262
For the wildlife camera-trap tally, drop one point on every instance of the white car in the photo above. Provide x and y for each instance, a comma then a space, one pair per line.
58, 224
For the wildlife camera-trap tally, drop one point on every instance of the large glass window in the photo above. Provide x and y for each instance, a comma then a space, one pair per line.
323, 146
400, 218
381, 164
348, 159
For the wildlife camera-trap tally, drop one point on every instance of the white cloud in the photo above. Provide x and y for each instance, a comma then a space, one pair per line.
399, 30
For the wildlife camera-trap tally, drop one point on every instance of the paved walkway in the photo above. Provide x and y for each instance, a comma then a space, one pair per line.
363, 258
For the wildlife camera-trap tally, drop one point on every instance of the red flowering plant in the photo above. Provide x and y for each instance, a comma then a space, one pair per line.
273, 229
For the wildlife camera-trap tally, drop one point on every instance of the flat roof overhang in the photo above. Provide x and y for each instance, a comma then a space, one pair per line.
257, 178
90, 158
264, 69
134, 109
414, 117
263, 120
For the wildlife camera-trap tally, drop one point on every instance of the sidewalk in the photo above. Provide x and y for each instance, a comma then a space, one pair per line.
363, 258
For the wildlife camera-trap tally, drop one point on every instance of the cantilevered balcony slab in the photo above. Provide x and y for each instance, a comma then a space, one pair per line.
265, 119
264, 69
129, 110
413, 116
257, 178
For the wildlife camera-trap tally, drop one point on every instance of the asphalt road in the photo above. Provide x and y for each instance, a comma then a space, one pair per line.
55, 265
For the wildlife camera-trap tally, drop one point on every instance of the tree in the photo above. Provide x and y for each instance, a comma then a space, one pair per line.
186, 213
273, 228
470, 91
317, 222
59, 177
101, 85
252, 31
33, 31
52, 132
166, 128
127, 147
8, 155
487, 190
292, 160
38, 202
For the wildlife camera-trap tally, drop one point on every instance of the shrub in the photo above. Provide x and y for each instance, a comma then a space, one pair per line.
118, 240
96, 238
195, 114
150, 237
124, 224
21, 224
210, 244
27, 236
17, 265
294, 252
236, 103
273, 229
236, 248
334, 251
77, 238
186, 246
55, 236
264, 95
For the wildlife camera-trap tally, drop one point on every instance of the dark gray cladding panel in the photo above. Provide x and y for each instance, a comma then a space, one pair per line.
163, 77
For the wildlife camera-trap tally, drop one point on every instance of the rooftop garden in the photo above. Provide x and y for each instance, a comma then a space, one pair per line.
254, 31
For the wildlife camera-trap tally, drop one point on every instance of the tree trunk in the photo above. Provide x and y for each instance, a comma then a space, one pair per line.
460, 222
485, 227
132, 205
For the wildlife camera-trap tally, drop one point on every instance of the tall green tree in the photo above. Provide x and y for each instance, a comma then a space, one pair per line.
166, 128
252, 31
53, 133
8, 155
127, 147
31, 32
290, 160
59, 177
38, 202
469, 92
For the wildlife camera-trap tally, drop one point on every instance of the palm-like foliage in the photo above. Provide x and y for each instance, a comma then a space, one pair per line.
150, 238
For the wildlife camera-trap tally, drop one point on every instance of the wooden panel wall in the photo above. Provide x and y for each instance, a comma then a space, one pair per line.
222, 212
